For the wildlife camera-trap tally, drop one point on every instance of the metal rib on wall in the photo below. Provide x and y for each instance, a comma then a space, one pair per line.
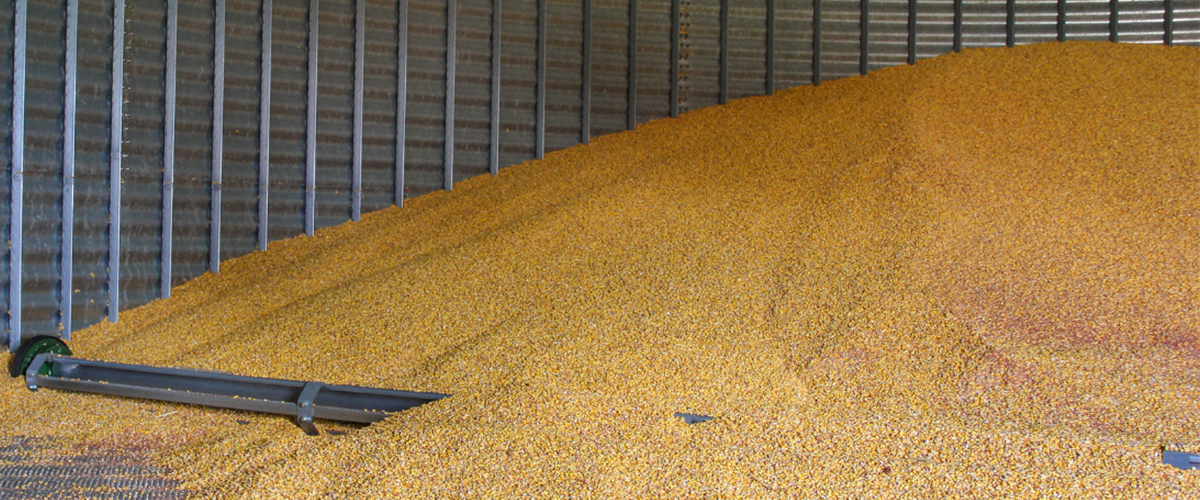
6, 91
719, 40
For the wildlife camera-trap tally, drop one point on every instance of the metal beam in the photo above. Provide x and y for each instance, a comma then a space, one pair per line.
770, 47
864, 22
539, 112
116, 127
401, 99
264, 126
71, 84
958, 25
723, 42
310, 125
494, 132
1168, 23
912, 31
816, 43
1010, 23
1061, 22
168, 180
451, 61
218, 138
631, 97
1113, 19
674, 92
20, 25
356, 150
585, 122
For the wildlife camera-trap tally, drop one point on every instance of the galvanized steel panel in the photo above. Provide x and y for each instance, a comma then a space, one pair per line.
1187, 22
888, 34
1140, 21
935, 28
654, 60
747, 48
1037, 21
472, 96
426, 96
984, 24
289, 57
564, 73
610, 65
699, 56
793, 43
840, 32
1087, 20
43, 159
379, 106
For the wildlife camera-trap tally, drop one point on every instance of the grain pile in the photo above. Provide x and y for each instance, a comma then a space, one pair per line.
975, 276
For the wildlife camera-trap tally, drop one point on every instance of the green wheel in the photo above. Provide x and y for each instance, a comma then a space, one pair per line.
31, 348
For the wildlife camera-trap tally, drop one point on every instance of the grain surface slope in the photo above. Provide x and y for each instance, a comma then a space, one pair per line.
971, 277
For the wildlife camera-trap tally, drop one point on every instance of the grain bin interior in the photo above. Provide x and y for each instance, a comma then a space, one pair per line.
885, 248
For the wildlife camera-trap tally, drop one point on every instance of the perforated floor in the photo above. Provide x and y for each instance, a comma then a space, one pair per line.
42, 468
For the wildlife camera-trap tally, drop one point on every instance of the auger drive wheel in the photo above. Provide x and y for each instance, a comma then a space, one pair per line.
31, 348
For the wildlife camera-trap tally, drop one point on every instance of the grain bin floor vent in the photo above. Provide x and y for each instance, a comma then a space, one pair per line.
304, 400
690, 418
1181, 460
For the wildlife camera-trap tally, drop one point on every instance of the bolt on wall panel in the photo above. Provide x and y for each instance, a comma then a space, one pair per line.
699, 54
142, 166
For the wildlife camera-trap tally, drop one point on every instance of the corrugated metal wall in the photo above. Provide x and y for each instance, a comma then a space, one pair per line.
719, 41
